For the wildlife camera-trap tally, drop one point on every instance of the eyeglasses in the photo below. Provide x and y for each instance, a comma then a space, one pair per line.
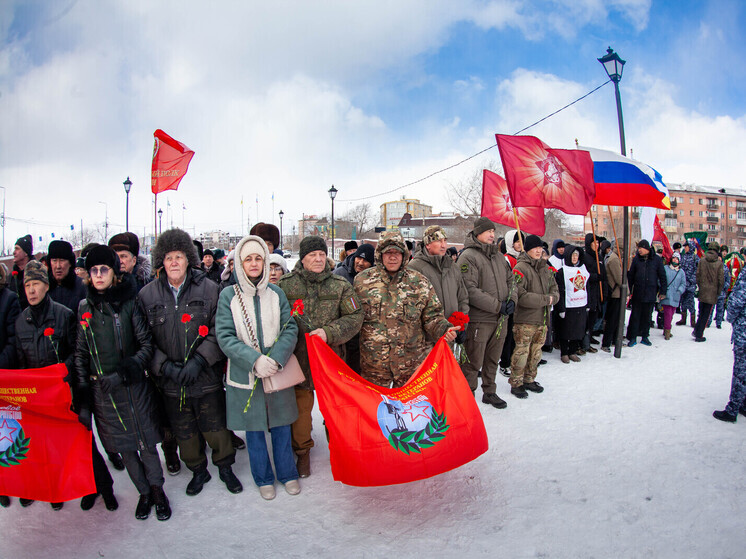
99, 270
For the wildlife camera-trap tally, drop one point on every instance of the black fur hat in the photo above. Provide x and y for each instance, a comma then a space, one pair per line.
171, 240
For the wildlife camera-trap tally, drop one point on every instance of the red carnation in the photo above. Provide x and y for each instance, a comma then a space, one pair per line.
87, 316
518, 275
203, 330
553, 269
459, 319
297, 307
15, 273
186, 318
48, 331
84, 324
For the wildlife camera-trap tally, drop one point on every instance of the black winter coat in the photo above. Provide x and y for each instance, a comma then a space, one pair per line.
69, 292
118, 336
647, 278
214, 272
16, 285
171, 339
596, 279
10, 309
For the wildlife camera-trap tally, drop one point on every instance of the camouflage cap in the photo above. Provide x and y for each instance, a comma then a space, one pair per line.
391, 239
35, 271
434, 233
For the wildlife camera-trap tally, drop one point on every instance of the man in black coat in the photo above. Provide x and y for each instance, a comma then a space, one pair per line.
65, 287
127, 247
9, 311
595, 266
647, 281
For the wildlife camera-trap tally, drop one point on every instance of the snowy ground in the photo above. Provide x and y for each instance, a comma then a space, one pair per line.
617, 458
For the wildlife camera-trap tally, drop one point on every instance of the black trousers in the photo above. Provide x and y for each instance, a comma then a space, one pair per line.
101, 475
704, 315
612, 321
639, 320
509, 345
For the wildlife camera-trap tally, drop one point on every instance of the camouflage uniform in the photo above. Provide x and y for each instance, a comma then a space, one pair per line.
403, 318
689, 263
737, 318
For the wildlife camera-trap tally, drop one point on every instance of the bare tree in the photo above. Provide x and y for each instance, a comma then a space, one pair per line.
466, 196
361, 216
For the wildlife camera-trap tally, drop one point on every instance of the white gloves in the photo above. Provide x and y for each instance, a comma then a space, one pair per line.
265, 367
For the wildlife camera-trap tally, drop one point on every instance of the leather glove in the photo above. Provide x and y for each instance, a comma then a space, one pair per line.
190, 371
110, 382
265, 367
562, 315
461, 337
171, 369
508, 307
84, 416
130, 371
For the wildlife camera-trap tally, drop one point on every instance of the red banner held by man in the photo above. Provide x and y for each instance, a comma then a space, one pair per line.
497, 206
544, 177
660, 235
45, 453
385, 436
170, 162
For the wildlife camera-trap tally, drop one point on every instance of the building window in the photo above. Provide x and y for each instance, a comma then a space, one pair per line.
701, 201
691, 226
691, 200
730, 203
680, 199
730, 216
691, 213
606, 222
701, 214
741, 215
681, 212
722, 215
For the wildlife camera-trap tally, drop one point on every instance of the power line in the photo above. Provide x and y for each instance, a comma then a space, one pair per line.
476, 154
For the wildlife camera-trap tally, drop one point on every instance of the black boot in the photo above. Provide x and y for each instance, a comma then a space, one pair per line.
26, 502
4, 501
199, 478
229, 478
56, 506
533, 387
87, 502
143, 507
116, 461
237, 441
724, 416
173, 464
519, 392
494, 400
110, 500
162, 507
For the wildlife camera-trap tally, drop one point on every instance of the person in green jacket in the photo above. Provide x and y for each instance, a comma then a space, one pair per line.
257, 333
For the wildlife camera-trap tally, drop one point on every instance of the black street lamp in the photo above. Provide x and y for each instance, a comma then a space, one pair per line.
614, 67
281, 214
160, 226
127, 185
332, 194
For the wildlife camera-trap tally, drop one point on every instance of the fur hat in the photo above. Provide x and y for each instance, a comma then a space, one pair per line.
218, 253
27, 245
102, 254
268, 232
714, 245
125, 241
310, 244
366, 251
481, 225
171, 240
432, 234
86, 249
35, 271
62, 250
80, 262
275, 258
351, 246
532, 241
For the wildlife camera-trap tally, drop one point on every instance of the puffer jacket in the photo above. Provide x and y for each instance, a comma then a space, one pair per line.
676, 280
346, 269
487, 277
710, 278
446, 279
10, 309
143, 272
118, 331
172, 338
647, 278
537, 291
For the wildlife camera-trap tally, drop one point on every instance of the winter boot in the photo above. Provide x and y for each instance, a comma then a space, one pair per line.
724, 416
519, 392
87, 502
162, 508
237, 442
667, 334
57, 506
116, 461
304, 465
533, 387
4, 501
173, 464
692, 320
110, 501
229, 478
682, 322
26, 502
199, 478
573, 357
494, 400
565, 359
143, 507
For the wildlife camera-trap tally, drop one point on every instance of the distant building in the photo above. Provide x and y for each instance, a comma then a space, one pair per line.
392, 212
215, 239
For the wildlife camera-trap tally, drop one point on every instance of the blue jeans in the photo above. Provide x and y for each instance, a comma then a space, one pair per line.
261, 469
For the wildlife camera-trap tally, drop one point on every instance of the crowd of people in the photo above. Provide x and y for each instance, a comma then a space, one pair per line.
179, 350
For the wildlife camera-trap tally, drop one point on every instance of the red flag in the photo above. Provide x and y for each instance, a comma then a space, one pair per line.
540, 176
497, 206
170, 162
660, 235
45, 453
384, 436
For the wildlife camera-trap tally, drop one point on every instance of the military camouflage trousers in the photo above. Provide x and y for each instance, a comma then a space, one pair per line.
737, 400
527, 353
687, 301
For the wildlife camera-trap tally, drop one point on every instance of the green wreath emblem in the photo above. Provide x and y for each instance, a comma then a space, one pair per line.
16, 452
414, 441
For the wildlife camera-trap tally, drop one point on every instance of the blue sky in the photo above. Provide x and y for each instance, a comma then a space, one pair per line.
290, 97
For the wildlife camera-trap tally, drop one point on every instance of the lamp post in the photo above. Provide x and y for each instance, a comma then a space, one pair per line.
2, 221
333, 194
106, 221
614, 67
281, 214
127, 185
160, 225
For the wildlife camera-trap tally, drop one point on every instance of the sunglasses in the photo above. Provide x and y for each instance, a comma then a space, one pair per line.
99, 270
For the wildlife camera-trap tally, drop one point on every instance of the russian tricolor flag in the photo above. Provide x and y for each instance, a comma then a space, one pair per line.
621, 181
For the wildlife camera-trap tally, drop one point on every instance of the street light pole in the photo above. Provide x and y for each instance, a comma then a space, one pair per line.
333, 194
614, 67
281, 214
160, 225
106, 220
127, 185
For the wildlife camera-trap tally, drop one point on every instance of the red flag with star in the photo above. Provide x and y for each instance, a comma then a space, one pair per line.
45, 453
544, 177
171, 161
497, 206
660, 235
385, 436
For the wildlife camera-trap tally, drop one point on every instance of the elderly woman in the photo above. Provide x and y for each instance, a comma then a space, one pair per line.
277, 268
256, 331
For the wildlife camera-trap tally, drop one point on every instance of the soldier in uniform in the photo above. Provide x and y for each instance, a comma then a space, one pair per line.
689, 263
737, 318
403, 315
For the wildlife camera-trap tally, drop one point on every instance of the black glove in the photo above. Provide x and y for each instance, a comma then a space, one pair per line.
191, 370
84, 416
171, 370
508, 307
110, 382
130, 371
461, 337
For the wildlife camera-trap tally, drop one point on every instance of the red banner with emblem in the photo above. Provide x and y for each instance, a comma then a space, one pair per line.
384, 436
497, 206
171, 161
45, 453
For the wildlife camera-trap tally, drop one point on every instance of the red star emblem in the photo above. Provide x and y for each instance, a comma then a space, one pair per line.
416, 410
6, 431
508, 204
552, 170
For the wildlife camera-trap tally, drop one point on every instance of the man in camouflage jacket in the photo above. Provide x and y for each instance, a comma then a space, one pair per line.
331, 311
737, 318
403, 316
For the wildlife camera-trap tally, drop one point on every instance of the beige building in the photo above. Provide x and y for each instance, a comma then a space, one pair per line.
392, 212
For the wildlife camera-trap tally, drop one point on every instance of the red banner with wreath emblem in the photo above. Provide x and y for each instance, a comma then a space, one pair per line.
385, 436
45, 453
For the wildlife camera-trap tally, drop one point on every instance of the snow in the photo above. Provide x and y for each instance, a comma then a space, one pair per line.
617, 458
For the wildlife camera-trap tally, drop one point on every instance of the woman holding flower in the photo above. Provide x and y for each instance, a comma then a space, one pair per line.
113, 349
256, 331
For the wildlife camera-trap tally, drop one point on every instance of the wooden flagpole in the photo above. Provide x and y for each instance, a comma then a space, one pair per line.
613, 228
598, 264
518, 228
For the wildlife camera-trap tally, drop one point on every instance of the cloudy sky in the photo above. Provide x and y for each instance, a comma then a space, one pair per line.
291, 97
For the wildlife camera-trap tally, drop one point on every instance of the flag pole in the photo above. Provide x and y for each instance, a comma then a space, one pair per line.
518, 228
613, 228
598, 264
155, 217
